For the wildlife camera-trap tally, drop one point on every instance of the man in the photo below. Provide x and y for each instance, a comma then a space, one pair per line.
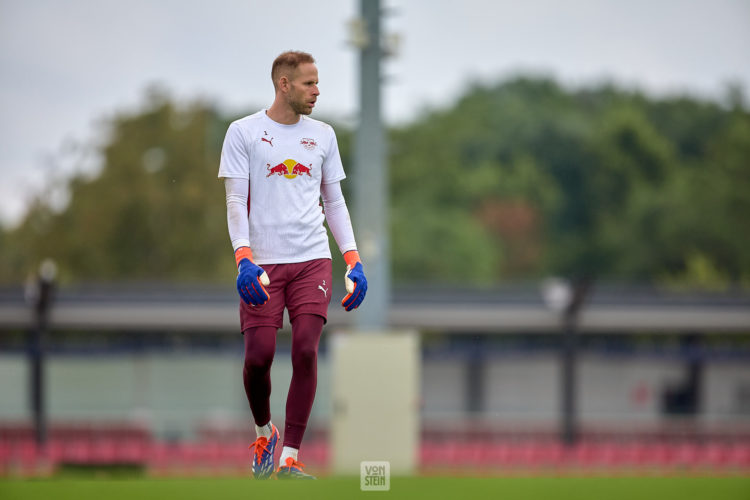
277, 164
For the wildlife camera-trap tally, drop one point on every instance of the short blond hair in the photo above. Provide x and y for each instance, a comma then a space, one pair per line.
288, 60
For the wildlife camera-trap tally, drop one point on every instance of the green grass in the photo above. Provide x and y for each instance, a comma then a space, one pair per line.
506, 488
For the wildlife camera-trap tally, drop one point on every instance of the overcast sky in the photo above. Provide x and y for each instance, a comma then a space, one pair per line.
66, 65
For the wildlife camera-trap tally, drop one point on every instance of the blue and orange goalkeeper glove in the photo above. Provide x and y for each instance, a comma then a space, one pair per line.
252, 279
356, 283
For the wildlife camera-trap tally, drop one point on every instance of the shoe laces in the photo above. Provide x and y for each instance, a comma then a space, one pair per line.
292, 463
260, 445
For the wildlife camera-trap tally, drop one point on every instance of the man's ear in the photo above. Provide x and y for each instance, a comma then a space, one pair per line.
284, 83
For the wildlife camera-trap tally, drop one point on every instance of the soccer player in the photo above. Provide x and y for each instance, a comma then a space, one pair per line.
277, 165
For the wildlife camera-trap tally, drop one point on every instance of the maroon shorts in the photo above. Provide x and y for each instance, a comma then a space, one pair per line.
303, 288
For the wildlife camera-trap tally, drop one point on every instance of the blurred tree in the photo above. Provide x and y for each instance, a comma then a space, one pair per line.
708, 231
599, 182
151, 213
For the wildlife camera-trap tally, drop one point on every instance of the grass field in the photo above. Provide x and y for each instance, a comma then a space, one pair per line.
528, 488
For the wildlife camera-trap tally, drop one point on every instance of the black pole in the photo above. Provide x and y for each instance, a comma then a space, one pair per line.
569, 396
476, 377
570, 362
42, 302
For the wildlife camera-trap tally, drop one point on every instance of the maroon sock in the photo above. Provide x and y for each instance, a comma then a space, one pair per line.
306, 330
260, 345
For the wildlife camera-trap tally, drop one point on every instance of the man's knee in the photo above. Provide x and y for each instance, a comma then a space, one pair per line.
258, 362
305, 357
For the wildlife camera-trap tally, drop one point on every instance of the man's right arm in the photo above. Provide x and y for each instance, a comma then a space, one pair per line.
237, 221
251, 278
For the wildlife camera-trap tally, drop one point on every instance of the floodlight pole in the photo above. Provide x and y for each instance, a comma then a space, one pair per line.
370, 180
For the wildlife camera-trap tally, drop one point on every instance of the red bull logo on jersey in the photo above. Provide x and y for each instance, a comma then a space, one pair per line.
288, 168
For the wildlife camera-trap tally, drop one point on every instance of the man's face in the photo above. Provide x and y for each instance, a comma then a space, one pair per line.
303, 89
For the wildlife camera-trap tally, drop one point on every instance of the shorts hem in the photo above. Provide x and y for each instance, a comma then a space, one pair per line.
259, 324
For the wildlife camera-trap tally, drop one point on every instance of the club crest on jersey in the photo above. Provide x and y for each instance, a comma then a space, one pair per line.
308, 143
288, 168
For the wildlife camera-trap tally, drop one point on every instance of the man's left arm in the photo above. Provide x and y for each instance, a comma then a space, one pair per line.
337, 216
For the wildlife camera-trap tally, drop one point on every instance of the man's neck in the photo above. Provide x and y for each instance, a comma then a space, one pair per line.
282, 114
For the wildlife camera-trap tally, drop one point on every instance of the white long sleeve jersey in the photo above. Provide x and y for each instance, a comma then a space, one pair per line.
275, 176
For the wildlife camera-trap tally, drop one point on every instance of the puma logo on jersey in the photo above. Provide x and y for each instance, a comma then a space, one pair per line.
263, 139
325, 290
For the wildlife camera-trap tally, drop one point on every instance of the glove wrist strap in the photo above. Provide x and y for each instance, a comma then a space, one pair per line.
243, 253
351, 258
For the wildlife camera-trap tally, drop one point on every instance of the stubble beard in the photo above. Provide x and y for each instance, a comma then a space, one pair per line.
299, 107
